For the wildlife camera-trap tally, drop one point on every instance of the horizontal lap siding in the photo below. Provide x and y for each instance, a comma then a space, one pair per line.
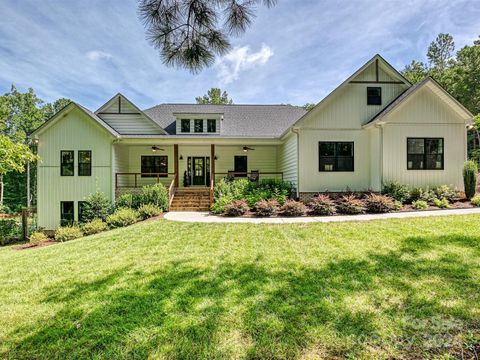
74, 132
287, 159
131, 124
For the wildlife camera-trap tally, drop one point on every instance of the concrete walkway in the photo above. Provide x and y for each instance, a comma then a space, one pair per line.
206, 217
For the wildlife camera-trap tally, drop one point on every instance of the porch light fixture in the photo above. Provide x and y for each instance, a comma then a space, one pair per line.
181, 157
216, 157
246, 148
155, 148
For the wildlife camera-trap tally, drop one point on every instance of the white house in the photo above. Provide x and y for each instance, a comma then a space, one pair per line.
373, 128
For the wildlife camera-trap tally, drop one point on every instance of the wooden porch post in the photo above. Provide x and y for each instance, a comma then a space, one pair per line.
212, 162
175, 164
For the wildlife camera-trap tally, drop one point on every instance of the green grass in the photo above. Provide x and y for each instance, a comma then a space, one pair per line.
382, 289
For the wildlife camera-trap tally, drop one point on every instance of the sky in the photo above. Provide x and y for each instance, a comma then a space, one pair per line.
294, 53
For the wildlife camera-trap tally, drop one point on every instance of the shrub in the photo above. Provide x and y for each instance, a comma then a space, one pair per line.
156, 194
266, 207
97, 206
66, 233
470, 171
446, 192
350, 205
396, 191
38, 237
8, 230
218, 207
122, 217
379, 203
239, 188
148, 211
293, 208
236, 208
128, 200
420, 205
442, 204
322, 205
94, 227
4, 209
426, 195
398, 205
475, 200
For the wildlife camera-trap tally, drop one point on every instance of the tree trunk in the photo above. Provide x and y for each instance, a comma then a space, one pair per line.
1, 189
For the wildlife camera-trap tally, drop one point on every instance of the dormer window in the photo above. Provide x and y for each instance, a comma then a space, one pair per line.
374, 96
211, 125
185, 124
199, 125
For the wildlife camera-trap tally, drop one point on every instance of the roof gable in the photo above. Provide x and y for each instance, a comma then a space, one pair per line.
435, 88
65, 111
126, 118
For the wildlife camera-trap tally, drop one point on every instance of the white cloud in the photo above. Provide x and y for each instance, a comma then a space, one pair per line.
95, 55
240, 59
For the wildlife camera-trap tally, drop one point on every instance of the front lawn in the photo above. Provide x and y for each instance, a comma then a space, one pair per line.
384, 289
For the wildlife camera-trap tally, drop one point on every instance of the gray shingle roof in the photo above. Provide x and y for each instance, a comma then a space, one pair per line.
238, 120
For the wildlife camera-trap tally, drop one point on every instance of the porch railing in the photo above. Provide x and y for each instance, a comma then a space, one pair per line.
260, 174
136, 180
171, 190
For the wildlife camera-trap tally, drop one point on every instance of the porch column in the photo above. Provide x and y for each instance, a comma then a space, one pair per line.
212, 162
175, 163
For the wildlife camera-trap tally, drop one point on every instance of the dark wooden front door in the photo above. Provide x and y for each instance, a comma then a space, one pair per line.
198, 171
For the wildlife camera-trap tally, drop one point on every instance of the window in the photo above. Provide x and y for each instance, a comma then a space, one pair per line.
425, 154
198, 125
374, 96
152, 165
211, 125
67, 213
335, 156
84, 163
240, 165
185, 125
81, 211
67, 162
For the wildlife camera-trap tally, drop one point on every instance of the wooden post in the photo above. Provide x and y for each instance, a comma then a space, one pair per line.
212, 161
175, 163
24, 224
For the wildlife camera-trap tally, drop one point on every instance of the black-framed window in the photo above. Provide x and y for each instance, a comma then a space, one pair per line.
185, 125
67, 163
154, 164
211, 125
374, 96
335, 156
81, 211
67, 213
425, 153
198, 124
84, 163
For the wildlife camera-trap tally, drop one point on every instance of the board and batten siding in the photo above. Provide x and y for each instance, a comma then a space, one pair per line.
287, 159
424, 115
313, 180
74, 132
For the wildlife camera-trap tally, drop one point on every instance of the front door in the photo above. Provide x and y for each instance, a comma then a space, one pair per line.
198, 171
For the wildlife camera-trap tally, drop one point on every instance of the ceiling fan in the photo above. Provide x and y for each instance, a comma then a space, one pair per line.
246, 148
155, 148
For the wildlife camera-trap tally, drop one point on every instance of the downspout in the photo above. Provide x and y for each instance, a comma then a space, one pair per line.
295, 131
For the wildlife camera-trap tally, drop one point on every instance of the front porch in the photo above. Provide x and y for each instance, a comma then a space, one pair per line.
191, 166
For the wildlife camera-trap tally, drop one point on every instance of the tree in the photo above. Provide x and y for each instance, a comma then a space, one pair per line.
440, 51
214, 96
309, 106
189, 34
415, 72
56, 106
13, 157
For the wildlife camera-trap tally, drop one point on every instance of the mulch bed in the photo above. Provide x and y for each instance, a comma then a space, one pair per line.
34, 245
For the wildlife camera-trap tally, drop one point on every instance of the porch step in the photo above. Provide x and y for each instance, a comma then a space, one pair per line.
191, 199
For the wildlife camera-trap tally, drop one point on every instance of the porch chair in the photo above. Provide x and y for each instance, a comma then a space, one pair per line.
230, 175
254, 175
